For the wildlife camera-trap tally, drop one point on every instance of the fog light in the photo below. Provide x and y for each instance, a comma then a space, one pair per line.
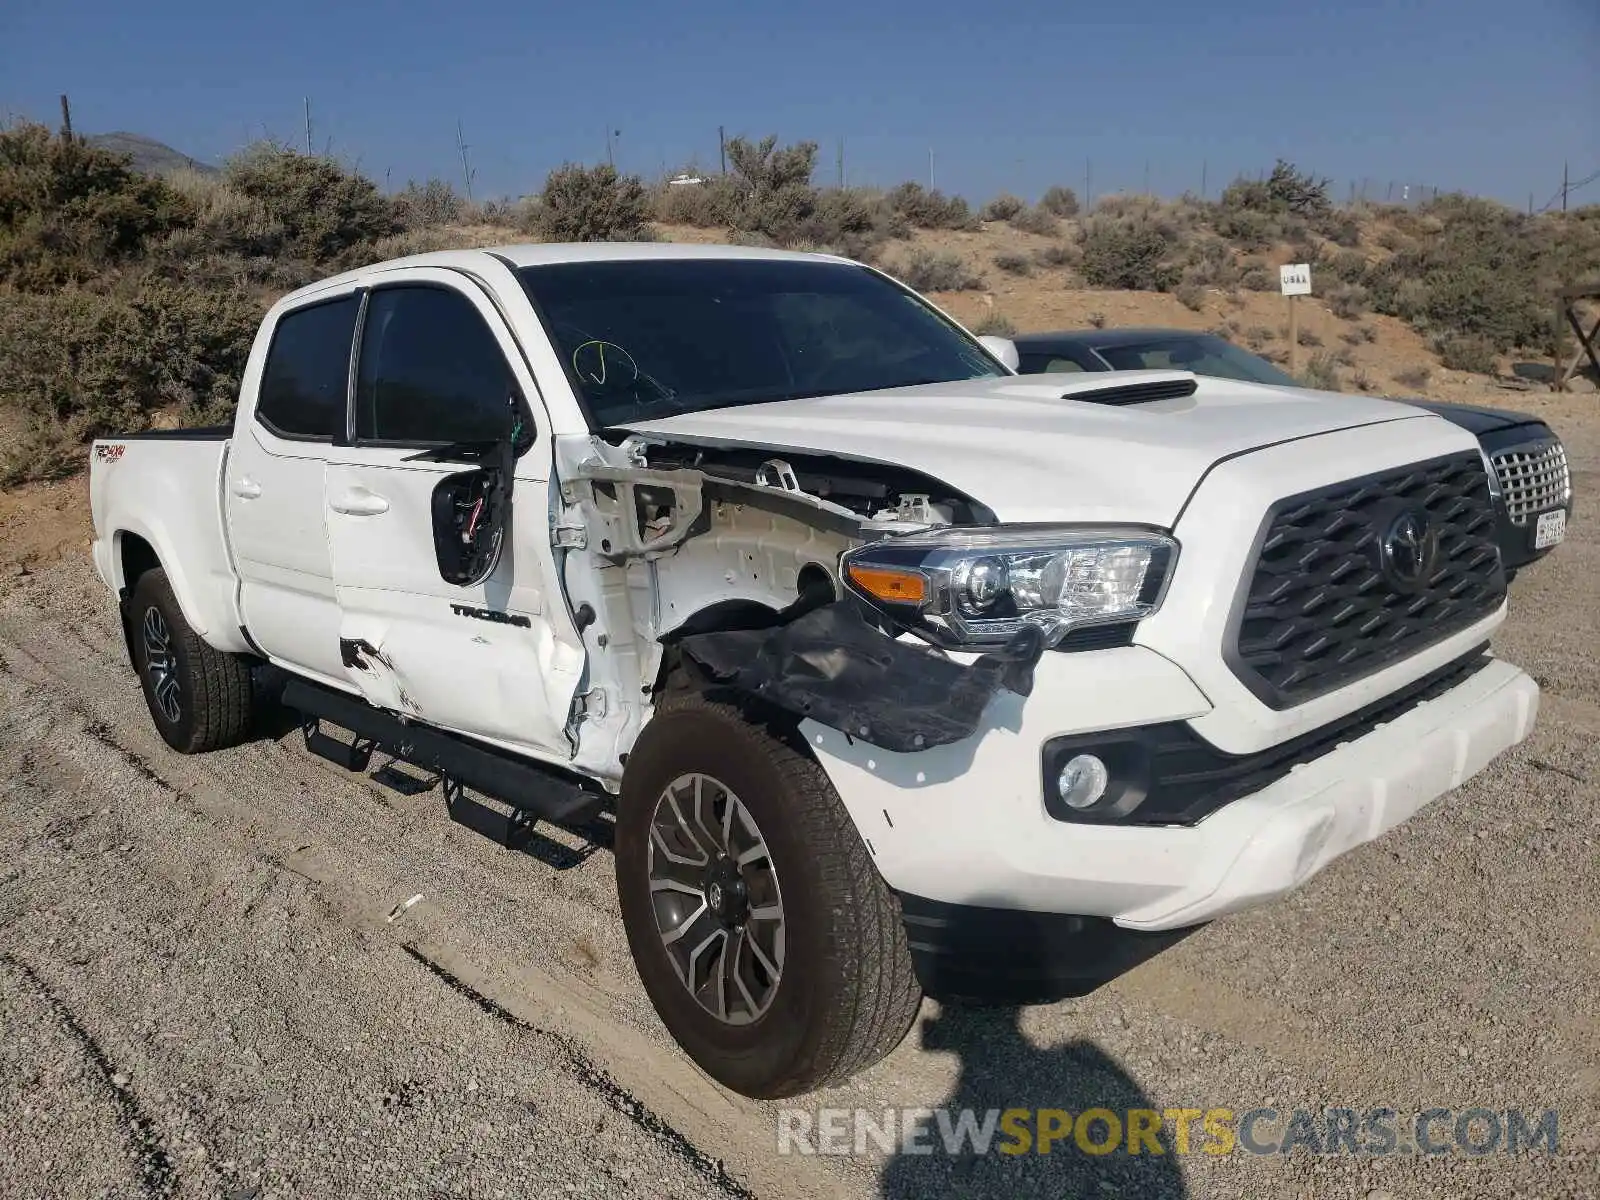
1082, 781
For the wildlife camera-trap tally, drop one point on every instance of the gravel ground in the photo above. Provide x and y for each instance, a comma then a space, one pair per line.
203, 993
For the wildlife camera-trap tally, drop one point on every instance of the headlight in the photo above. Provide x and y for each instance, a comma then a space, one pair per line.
978, 586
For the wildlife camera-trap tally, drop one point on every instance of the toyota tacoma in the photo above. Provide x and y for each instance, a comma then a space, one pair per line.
897, 672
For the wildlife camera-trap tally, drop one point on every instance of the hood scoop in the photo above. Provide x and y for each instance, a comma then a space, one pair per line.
1144, 392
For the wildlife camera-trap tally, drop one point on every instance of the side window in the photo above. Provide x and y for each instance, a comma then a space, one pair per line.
430, 371
307, 373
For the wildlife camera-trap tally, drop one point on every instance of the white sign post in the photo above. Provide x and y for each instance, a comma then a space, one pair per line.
1294, 280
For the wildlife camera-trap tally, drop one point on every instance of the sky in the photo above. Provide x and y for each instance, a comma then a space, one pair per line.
1486, 96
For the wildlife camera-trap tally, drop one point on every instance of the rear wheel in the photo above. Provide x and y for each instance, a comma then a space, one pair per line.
764, 936
199, 697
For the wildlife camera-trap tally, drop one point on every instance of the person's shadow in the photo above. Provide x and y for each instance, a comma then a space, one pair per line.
1001, 1070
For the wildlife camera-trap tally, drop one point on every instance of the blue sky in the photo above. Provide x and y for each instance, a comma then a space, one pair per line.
1485, 95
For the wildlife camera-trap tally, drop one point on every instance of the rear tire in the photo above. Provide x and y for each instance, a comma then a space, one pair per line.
200, 698
845, 991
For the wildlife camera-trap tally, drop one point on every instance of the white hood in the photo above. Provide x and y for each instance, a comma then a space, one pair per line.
1022, 446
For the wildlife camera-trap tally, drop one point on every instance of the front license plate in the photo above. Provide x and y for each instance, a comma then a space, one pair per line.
1550, 529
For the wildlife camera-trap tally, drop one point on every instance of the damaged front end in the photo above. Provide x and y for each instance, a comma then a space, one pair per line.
831, 665
865, 596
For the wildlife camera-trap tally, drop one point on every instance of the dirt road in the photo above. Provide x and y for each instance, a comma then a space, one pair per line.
203, 994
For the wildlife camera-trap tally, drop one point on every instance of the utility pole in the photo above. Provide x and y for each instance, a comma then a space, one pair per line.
1088, 184
66, 118
722, 148
1564, 188
466, 167
308, 126
841, 164
930, 168
1204, 169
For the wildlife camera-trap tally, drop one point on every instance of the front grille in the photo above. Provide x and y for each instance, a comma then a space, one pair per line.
1533, 478
1334, 594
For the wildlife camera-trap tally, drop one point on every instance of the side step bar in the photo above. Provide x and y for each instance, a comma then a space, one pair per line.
533, 792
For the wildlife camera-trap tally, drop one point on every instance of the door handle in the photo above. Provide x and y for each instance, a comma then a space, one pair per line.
359, 502
246, 488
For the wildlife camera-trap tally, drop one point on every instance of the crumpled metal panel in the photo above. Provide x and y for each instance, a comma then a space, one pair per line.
834, 667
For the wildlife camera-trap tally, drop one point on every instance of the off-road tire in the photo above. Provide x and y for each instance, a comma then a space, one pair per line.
214, 695
848, 992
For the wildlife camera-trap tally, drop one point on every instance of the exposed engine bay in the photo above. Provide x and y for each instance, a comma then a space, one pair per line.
725, 562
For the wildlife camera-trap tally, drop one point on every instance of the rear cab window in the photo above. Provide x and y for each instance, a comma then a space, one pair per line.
305, 381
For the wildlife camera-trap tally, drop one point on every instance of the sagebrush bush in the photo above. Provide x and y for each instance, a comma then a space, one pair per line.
323, 209
1014, 264
76, 364
1191, 295
1060, 201
1258, 277
1414, 377
707, 205
1132, 253
1347, 300
774, 192
1322, 372
1002, 208
929, 271
1466, 352
929, 208
1057, 254
425, 205
995, 324
70, 211
1036, 220
855, 222
591, 204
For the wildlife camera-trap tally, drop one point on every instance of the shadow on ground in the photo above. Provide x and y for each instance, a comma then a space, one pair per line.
1000, 1070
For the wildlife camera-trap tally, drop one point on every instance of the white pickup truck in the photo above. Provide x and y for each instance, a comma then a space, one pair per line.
899, 672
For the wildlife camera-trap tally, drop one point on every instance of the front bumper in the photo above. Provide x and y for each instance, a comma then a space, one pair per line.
965, 824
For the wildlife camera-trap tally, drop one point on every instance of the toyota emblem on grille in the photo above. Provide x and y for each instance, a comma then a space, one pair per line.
1409, 547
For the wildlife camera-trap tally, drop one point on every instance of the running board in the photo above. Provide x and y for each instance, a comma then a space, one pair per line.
533, 792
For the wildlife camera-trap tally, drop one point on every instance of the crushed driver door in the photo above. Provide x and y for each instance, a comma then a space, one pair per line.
451, 610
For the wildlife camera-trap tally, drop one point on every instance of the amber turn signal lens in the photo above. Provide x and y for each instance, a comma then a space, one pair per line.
889, 585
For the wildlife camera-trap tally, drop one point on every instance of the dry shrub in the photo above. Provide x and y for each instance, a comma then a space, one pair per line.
1465, 352
1414, 377
928, 208
1322, 372
1060, 201
1057, 254
591, 204
70, 211
1014, 264
995, 324
322, 208
426, 205
1191, 295
1130, 253
929, 271
76, 365
1348, 300
1036, 220
1002, 208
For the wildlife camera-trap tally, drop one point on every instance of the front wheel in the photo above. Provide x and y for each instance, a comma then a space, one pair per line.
199, 697
765, 938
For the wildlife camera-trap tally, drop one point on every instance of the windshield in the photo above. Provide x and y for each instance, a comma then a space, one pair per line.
643, 339
1202, 353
